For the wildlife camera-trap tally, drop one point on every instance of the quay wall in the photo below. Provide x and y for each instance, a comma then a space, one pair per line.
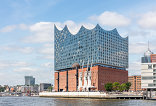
73, 94
100, 95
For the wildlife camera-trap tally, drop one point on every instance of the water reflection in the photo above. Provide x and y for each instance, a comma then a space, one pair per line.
37, 101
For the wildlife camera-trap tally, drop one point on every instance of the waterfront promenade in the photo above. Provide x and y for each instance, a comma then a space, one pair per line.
96, 95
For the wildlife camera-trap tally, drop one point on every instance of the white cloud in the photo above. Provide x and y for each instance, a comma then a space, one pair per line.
41, 32
137, 48
48, 65
25, 69
41, 26
21, 64
3, 65
23, 26
111, 19
44, 31
140, 48
75, 27
49, 57
8, 28
47, 50
13, 64
25, 50
148, 20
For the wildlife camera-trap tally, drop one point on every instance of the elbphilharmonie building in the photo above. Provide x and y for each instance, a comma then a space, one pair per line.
94, 46
86, 61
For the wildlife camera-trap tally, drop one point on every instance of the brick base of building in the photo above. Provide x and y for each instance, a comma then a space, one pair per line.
68, 81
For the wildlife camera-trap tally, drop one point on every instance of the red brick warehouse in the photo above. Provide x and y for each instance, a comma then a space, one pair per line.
100, 75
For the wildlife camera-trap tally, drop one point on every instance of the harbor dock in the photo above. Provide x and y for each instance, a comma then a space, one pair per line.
95, 95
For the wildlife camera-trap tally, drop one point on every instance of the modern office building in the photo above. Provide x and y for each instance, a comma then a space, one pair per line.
89, 59
29, 80
44, 86
148, 70
135, 83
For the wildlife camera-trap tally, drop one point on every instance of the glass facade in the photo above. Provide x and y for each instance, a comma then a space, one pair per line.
147, 57
29, 80
96, 45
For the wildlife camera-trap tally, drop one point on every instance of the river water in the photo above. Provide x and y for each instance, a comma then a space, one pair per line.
40, 101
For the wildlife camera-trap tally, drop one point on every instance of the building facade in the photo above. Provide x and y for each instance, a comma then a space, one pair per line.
148, 70
29, 80
29, 89
135, 83
96, 46
89, 59
44, 86
97, 77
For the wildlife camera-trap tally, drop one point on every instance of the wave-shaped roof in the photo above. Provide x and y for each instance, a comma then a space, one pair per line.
83, 28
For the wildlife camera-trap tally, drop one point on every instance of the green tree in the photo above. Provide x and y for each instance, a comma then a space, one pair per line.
2, 89
108, 87
116, 86
128, 85
50, 88
122, 87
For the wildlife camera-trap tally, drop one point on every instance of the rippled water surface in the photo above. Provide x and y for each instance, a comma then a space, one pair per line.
38, 101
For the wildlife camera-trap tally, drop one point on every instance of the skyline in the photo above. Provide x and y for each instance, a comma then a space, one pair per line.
27, 26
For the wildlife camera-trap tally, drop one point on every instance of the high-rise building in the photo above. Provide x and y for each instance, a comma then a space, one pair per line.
29, 80
148, 70
96, 45
89, 59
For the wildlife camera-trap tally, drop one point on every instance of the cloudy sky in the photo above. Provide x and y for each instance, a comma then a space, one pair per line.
27, 38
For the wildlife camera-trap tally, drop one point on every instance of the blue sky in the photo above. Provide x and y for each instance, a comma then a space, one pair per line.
26, 32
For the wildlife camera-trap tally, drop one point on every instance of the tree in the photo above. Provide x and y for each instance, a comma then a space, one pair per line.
2, 89
50, 88
128, 85
122, 87
116, 86
108, 87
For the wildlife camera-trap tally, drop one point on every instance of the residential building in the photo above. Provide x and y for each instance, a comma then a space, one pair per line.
135, 83
29, 89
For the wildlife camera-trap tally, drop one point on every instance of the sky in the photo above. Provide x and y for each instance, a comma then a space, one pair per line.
27, 32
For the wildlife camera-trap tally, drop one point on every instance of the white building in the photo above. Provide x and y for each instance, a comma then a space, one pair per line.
148, 71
